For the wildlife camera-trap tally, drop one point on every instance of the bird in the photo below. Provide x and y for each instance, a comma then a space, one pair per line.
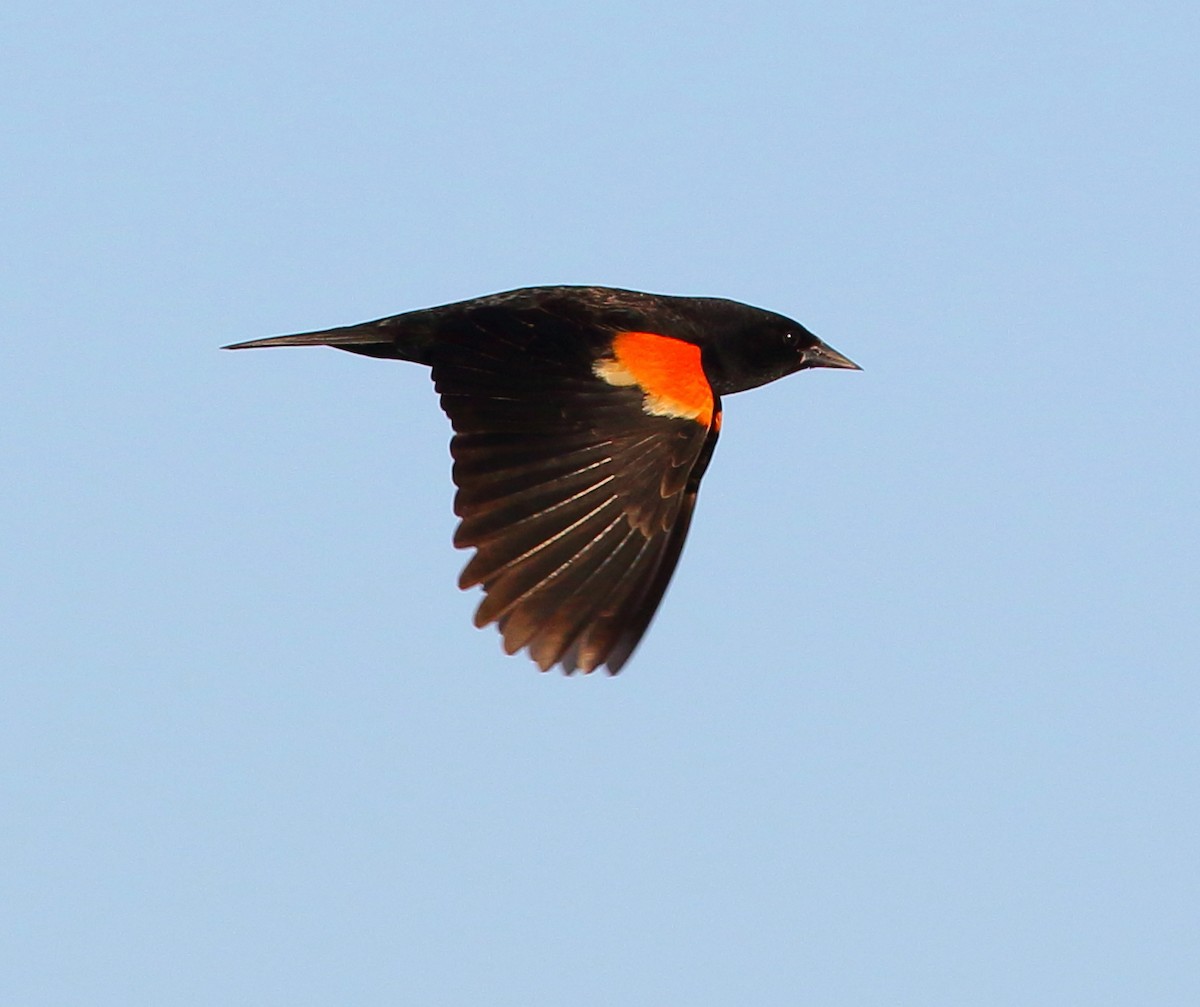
584, 418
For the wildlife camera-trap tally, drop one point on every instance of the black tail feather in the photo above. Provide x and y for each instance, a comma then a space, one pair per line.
371, 339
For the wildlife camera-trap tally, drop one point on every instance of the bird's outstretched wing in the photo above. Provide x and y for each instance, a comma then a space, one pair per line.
577, 457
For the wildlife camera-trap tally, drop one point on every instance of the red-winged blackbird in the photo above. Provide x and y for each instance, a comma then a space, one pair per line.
584, 418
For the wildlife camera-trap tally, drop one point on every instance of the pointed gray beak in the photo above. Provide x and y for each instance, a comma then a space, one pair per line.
826, 356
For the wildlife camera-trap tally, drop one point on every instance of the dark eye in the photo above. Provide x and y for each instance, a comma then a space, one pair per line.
791, 338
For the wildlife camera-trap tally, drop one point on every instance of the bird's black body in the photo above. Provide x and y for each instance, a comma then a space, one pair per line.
584, 419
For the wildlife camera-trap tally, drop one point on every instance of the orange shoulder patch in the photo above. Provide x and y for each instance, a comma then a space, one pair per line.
667, 370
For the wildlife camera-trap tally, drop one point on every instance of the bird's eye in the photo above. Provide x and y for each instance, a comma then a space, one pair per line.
791, 337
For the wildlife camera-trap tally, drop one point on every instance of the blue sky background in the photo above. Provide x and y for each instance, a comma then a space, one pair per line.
919, 722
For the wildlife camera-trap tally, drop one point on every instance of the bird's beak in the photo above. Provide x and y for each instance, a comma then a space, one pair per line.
826, 356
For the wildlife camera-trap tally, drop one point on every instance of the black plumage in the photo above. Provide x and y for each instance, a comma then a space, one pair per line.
584, 419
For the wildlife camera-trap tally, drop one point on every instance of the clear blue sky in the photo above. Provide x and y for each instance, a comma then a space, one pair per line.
919, 722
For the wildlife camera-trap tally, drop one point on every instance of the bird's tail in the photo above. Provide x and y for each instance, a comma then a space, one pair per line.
374, 339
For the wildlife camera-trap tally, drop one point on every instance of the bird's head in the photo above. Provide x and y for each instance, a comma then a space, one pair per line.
749, 347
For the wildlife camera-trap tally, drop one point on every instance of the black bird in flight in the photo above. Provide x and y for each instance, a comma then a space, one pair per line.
584, 419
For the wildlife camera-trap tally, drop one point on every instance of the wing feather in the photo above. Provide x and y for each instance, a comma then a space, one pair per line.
575, 498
